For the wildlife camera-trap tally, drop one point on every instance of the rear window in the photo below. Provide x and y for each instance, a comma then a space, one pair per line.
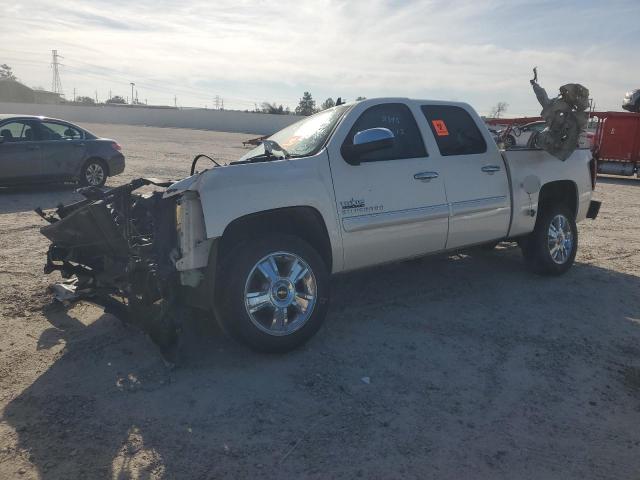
58, 131
455, 131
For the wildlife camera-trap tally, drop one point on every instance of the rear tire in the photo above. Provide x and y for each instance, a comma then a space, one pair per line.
93, 173
272, 293
551, 248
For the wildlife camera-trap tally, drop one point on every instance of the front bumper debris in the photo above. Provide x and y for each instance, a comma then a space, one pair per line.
116, 248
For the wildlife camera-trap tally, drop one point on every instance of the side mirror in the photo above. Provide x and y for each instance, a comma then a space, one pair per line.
366, 141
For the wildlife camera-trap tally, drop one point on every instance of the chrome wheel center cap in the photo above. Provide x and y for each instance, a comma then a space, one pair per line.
282, 293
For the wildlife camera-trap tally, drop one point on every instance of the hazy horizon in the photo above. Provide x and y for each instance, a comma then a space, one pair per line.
248, 52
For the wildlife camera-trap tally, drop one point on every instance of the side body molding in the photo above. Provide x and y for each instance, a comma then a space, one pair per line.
389, 219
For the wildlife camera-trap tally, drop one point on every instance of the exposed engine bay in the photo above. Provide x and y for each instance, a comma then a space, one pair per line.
117, 248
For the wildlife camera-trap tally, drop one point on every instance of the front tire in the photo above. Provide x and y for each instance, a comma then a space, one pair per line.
272, 293
552, 246
93, 173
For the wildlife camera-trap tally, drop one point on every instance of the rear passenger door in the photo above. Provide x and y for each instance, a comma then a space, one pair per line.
475, 176
63, 149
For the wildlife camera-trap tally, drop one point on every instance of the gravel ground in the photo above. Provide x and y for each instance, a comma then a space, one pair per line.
454, 366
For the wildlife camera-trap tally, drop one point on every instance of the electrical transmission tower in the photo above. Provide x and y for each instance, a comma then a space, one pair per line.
56, 84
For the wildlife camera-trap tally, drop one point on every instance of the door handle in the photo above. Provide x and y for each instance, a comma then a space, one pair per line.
33, 147
490, 169
78, 145
425, 176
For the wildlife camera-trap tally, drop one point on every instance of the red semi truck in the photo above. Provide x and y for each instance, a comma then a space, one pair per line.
617, 144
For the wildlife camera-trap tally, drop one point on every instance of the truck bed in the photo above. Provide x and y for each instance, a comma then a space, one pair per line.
523, 163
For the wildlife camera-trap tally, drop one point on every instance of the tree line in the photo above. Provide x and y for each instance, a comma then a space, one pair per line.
306, 106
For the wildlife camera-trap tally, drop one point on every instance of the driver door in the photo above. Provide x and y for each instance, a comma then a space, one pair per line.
393, 204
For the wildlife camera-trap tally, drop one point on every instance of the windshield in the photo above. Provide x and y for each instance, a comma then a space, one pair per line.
305, 137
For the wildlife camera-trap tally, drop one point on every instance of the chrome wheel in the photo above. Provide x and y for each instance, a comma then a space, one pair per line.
280, 293
560, 239
94, 174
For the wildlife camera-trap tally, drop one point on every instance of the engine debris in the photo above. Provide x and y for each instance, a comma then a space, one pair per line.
565, 115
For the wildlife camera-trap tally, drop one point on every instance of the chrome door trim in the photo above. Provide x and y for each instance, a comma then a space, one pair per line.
490, 169
468, 207
397, 217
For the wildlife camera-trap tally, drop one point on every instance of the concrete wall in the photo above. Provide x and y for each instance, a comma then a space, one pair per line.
223, 121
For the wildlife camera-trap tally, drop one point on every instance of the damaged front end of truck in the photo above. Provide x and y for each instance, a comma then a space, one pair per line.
129, 252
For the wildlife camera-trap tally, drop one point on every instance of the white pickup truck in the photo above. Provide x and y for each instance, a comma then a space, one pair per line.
361, 184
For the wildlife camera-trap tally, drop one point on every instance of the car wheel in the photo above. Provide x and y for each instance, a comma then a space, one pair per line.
93, 173
272, 293
509, 142
551, 248
534, 141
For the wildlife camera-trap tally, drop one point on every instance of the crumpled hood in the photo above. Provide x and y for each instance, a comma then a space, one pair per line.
181, 186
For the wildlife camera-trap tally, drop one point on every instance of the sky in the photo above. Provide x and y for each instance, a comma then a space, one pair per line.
249, 52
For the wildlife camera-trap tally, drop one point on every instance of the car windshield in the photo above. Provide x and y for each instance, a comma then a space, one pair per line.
305, 137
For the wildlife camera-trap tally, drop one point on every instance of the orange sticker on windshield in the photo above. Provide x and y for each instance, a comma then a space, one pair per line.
441, 128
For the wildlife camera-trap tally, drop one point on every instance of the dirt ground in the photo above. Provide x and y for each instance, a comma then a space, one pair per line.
476, 368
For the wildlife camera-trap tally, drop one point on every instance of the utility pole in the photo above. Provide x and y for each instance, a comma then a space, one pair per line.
175, 101
96, 96
217, 102
132, 97
56, 84
74, 94
110, 96
222, 104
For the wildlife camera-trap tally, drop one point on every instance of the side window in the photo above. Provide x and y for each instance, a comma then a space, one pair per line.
17, 132
455, 131
59, 131
398, 118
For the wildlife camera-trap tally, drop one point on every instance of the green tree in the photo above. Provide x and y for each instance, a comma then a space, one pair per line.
85, 100
117, 99
6, 72
307, 105
272, 108
328, 103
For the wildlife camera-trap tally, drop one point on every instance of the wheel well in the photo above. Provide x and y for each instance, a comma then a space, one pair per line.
304, 222
104, 164
562, 192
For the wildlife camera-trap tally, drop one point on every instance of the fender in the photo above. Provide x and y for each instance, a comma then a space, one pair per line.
233, 191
